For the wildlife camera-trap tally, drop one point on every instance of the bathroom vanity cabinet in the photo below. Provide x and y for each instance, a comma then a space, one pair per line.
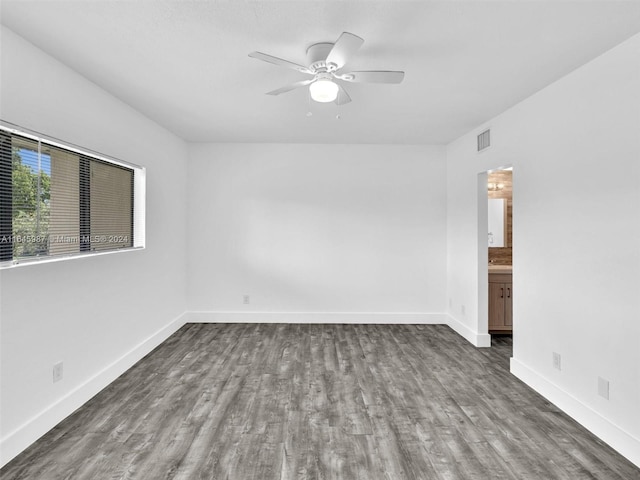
500, 301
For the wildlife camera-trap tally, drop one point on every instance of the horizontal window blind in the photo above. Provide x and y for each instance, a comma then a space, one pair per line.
60, 202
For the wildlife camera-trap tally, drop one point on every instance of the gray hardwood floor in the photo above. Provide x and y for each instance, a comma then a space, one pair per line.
267, 401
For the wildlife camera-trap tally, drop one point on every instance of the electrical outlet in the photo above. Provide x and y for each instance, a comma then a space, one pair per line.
557, 361
57, 372
463, 309
451, 303
246, 299
603, 388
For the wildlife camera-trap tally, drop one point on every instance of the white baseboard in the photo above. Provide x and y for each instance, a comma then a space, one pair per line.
620, 440
18, 440
473, 337
317, 317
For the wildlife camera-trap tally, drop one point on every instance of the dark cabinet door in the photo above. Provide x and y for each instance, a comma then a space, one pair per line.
497, 295
508, 305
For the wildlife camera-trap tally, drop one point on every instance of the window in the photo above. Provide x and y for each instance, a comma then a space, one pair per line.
59, 201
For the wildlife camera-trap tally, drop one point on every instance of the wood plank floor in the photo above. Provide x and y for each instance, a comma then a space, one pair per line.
279, 401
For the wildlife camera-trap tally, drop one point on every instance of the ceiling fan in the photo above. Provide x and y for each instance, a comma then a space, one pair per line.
325, 61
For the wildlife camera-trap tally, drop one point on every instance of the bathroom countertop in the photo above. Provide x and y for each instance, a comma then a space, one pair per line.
500, 268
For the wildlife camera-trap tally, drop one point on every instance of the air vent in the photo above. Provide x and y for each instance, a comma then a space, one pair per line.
484, 140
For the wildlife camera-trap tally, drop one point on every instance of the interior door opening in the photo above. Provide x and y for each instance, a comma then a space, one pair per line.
496, 249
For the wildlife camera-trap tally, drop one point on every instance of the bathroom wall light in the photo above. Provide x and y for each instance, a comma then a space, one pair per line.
323, 90
494, 187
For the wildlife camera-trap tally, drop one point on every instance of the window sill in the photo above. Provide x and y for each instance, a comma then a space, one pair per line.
62, 258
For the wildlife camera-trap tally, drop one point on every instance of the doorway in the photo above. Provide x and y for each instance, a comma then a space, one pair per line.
495, 251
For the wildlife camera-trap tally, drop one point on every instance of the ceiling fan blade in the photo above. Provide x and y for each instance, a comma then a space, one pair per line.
291, 86
343, 97
381, 76
346, 45
279, 61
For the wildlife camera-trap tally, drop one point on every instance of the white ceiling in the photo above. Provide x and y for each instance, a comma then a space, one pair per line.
184, 64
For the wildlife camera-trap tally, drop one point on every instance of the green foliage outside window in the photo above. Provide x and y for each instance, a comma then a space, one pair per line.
31, 208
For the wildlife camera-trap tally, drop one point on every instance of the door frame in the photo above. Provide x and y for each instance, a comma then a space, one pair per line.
483, 253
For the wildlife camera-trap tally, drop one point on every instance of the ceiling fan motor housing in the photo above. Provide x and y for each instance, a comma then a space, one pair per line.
317, 55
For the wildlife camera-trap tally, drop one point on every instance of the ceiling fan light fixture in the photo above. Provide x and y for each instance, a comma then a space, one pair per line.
323, 90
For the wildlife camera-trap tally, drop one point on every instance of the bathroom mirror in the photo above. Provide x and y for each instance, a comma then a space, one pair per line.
497, 222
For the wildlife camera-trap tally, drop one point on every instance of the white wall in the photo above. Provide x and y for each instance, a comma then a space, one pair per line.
317, 229
98, 315
575, 148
